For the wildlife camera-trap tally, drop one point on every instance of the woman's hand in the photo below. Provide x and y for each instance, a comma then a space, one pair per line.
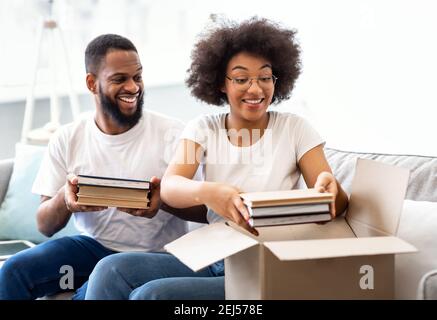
225, 200
327, 183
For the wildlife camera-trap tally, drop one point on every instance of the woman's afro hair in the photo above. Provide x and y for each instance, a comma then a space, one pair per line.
256, 36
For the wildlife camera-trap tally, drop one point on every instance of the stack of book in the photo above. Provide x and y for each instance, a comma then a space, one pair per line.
113, 192
283, 207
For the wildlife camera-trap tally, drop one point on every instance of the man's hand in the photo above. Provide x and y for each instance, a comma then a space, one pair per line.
154, 204
327, 183
70, 197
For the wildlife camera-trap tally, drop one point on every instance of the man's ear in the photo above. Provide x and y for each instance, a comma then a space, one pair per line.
91, 83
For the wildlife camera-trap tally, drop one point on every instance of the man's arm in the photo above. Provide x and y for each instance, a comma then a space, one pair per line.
52, 214
194, 214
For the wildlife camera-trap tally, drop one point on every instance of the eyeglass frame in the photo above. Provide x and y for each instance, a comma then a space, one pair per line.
275, 78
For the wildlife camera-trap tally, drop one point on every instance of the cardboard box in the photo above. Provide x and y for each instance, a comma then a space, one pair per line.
351, 257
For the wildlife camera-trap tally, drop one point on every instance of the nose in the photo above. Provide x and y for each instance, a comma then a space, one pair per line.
131, 86
254, 86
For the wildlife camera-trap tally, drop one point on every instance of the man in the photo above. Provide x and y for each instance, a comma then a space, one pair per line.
119, 141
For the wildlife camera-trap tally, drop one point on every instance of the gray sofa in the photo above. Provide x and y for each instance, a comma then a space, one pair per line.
414, 272
422, 185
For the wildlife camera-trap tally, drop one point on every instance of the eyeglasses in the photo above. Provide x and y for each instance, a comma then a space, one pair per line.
244, 83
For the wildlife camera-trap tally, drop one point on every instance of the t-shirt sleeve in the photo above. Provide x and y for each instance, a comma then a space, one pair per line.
171, 137
196, 130
53, 171
306, 138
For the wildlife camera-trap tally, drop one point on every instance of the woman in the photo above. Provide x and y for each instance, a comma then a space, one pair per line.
248, 66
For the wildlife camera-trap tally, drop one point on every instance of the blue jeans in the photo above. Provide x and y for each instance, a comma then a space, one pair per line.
35, 272
153, 276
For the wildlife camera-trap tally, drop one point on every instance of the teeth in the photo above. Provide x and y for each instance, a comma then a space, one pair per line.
253, 101
128, 100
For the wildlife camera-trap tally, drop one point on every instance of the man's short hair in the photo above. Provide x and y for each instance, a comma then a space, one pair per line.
98, 48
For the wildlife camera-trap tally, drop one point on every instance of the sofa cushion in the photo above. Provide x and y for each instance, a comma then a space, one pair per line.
418, 227
422, 185
6, 166
18, 209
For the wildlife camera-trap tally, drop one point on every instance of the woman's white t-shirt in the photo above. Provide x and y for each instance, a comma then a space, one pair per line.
271, 163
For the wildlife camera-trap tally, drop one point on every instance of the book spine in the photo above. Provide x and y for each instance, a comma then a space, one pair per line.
260, 222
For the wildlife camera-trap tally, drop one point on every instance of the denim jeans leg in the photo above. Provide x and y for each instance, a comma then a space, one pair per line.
36, 272
116, 276
183, 288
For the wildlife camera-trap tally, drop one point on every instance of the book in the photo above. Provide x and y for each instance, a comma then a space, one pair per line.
288, 210
113, 182
112, 202
283, 207
110, 192
113, 192
285, 197
290, 219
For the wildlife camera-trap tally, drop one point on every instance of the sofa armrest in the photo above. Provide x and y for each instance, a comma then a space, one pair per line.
6, 167
428, 286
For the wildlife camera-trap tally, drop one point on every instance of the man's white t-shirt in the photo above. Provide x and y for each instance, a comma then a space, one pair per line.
140, 153
270, 164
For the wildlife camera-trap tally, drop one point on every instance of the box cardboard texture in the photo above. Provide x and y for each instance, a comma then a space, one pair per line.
351, 257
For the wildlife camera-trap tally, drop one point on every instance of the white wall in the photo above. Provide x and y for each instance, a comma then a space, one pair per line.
370, 68
370, 74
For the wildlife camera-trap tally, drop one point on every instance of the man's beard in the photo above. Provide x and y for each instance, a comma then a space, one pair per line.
112, 109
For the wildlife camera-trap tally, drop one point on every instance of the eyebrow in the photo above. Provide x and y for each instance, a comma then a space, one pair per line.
123, 74
267, 65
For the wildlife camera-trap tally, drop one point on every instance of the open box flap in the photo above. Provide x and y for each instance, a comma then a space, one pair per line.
377, 197
333, 248
204, 246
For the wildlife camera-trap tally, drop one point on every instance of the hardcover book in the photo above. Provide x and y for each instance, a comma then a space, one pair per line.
284, 207
113, 192
113, 182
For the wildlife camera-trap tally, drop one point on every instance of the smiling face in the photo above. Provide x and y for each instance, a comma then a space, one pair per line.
250, 105
119, 87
